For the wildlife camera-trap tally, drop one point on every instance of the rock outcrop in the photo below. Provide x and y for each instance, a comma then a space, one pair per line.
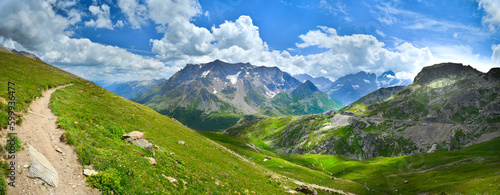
41, 168
136, 138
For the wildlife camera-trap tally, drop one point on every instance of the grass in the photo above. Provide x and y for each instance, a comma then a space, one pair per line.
474, 170
94, 120
29, 77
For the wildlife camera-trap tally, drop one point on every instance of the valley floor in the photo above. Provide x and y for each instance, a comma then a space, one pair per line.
40, 131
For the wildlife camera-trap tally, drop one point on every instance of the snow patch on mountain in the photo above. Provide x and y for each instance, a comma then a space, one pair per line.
204, 74
233, 78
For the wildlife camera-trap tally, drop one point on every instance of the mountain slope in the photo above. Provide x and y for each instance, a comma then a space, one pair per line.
456, 107
216, 95
379, 95
321, 82
133, 89
305, 99
95, 120
352, 87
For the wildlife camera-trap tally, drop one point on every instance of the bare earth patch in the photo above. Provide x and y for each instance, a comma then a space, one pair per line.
40, 131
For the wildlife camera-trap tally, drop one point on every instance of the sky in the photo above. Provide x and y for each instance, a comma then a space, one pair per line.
121, 40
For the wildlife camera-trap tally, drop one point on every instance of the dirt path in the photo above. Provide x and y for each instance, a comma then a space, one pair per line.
40, 131
275, 175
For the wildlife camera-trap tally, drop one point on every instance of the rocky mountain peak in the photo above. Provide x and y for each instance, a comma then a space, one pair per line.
494, 73
444, 70
304, 89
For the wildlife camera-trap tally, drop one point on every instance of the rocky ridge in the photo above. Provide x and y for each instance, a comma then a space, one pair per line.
448, 111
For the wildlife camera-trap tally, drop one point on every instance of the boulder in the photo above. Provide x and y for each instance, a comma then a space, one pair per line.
141, 143
171, 179
89, 172
41, 168
329, 113
151, 160
134, 135
306, 189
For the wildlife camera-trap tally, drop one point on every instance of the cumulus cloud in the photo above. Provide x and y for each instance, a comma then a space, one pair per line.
136, 13
36, 26
31, 23
168, 11
492, 9
241, 33
103, 17
359, 52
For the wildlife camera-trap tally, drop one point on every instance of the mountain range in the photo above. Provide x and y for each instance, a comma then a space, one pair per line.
448, 107
216, 95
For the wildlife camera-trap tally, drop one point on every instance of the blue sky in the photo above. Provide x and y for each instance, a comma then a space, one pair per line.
141, 39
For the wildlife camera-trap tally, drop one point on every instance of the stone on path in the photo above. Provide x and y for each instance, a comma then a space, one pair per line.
41, 168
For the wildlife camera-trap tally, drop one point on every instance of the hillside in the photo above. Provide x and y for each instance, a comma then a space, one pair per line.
379, 95
95, 120
472, 170
214, 96
133, 89
456, 107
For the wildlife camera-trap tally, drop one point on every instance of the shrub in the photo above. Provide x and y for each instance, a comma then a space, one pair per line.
107, 181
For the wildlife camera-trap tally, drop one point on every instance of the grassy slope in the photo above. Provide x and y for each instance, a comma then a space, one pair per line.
470, 171
30, 77
94, 120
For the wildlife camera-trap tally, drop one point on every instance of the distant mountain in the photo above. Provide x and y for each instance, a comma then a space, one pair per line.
448, 107
351, 87
388, 79
321, 82
379, 95
305, 99
215, 95
103, 83
133, 89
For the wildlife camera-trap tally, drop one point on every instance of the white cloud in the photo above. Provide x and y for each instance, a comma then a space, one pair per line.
350, 54
183, 39
335, 7
168, 11
31, 28
136, 13
241, 33
35, 26
496, 53
103, 17
380, 33
492, 9
119, 24
461, 54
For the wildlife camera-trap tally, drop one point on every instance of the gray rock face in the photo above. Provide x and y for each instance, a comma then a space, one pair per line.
41, 168
141, 143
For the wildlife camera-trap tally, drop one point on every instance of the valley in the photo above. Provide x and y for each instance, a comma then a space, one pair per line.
372, 148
